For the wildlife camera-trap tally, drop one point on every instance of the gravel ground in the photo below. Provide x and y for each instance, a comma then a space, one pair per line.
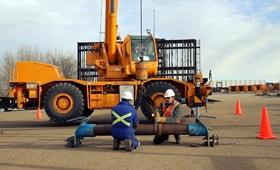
27, 143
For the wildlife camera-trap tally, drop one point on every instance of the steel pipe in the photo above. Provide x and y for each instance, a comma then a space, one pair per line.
152, 129
91, 130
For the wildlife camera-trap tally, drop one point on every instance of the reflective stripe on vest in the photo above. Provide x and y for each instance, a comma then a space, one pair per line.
121, 118
167, 112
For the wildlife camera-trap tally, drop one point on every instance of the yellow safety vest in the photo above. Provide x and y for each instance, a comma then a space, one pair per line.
121, 118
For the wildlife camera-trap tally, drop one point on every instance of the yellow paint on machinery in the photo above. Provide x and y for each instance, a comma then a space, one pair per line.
36, 72
125, 65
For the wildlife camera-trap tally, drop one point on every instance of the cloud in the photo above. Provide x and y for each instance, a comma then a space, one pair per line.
239, 39
235, 43
48, 24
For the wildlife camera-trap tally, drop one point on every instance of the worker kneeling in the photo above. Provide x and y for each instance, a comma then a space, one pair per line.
170, 111
124, 122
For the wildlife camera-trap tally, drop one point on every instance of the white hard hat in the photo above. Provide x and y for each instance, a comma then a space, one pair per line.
127, 95
169, 93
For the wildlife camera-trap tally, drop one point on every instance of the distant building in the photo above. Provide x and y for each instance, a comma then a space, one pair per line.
236, 85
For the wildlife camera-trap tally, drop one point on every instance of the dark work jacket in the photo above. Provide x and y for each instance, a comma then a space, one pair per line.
124, 129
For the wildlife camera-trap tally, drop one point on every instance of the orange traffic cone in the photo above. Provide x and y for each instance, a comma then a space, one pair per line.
38, 114
238, 108
265, 130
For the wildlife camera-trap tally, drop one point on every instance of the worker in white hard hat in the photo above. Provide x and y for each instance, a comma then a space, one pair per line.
124, 122
170, 111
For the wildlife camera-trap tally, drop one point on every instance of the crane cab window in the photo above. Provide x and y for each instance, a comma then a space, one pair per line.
145, 48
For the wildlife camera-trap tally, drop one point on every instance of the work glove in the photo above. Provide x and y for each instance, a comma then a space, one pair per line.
160, 119
156, 114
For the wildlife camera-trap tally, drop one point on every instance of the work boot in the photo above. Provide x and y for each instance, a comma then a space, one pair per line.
128, 145
178, 139
138, 145
116, 144
167, 139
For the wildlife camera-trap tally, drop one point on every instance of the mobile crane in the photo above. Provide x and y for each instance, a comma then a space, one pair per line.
118, 67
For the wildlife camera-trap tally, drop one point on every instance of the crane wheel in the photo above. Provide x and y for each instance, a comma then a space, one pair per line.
138, 99
87, 112
156, 92
64, 101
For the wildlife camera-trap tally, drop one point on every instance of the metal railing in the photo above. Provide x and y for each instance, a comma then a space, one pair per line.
177, 59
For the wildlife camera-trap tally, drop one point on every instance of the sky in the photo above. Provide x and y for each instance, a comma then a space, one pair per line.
239, 39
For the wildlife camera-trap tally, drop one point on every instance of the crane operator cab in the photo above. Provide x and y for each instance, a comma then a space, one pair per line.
135, 47
143, 48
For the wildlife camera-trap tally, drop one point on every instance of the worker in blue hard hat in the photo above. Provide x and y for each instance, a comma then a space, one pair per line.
124, 122
170, 111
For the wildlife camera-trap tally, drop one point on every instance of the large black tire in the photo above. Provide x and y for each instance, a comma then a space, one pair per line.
138, 100
64, 101
156, 91
87, 112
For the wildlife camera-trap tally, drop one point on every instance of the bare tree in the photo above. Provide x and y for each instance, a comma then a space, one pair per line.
65, 60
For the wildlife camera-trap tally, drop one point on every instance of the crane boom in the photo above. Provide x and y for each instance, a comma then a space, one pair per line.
116, 60
111, 29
